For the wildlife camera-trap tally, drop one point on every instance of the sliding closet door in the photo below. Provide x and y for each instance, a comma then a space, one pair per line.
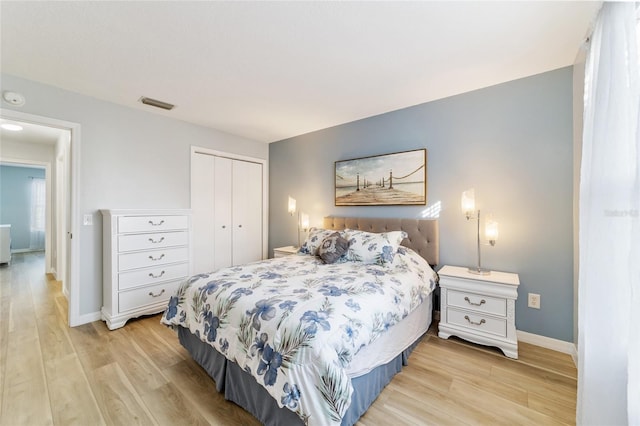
222, 213
247, 212
227, 211
202, 210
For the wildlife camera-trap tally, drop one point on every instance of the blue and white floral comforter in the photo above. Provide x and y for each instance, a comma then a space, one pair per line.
295, 323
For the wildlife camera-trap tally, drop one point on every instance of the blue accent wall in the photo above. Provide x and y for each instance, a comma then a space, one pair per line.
15, 202
511, 142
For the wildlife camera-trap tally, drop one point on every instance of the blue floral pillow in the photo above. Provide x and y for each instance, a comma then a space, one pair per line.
369, 247
314, 239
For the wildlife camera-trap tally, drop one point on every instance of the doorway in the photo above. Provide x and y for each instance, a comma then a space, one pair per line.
61, 249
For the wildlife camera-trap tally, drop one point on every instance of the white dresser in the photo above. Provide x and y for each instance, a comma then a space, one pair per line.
146, 255
479, 308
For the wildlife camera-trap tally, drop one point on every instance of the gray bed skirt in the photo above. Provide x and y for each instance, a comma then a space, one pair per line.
241, 388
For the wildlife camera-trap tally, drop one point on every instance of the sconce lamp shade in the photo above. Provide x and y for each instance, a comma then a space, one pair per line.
304, 221
491, 230
468, 202
292, 206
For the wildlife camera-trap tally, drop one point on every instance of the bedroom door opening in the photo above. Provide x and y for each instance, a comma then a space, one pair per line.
61, 249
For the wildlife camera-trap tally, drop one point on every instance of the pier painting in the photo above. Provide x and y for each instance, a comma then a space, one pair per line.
383, 180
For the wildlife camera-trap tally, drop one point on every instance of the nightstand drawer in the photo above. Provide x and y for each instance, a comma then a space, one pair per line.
156, 294
477, 302
476, 321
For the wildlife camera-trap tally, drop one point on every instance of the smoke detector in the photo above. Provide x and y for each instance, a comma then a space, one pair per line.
13, 98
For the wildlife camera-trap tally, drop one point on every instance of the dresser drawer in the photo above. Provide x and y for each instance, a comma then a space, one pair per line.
152, 241
477, 302
156, 274
477, 321
140, 297
151, 223
144, 259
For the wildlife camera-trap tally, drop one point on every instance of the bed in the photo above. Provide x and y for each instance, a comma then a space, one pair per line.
296, 341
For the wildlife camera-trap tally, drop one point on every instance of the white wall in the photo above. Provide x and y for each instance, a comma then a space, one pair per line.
129, 159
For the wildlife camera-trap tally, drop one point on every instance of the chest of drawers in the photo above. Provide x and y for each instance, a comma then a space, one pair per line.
479, 308
146, 255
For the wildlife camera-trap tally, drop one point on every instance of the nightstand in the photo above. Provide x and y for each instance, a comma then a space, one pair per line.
479, 308
284, 251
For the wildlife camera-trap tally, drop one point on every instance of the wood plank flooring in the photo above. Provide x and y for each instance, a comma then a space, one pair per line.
140, 375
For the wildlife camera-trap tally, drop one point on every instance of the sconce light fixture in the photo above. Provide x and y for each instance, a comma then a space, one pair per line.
303, 218
468, 206
292, 206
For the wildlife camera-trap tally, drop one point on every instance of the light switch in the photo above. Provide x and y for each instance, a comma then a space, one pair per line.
88, 220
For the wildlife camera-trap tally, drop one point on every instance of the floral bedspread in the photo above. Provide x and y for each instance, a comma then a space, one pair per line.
295, 323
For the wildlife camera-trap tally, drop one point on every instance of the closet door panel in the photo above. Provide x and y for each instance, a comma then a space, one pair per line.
222, 216
247, 212
202, 206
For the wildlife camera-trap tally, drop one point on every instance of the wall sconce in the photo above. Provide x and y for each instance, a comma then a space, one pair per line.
468, 206
292, 206
303, 218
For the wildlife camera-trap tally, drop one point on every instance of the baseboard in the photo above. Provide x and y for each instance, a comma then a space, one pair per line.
87, 318
549, 343
24, 250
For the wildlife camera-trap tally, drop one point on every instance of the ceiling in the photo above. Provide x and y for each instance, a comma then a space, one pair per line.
273, 70
31, 133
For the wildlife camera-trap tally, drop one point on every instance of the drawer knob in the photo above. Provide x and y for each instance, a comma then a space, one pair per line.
152, 223
157, 258
482, 321
156, 241
475, 304
156, 276
156, 295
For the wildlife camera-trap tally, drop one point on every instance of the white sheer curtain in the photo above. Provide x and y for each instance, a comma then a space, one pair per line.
609, 280
38, 205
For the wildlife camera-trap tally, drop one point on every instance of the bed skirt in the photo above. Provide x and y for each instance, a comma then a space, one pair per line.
242, 389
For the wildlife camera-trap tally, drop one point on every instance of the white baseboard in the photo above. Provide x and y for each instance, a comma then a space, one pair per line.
87, 318
25, 250
549, 343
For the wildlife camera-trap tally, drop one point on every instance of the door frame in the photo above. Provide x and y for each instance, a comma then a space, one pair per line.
73, 272
265, 185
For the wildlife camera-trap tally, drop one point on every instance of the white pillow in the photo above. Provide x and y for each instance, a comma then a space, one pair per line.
369, 247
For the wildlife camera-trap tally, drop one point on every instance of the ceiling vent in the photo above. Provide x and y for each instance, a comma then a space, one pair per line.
156, 103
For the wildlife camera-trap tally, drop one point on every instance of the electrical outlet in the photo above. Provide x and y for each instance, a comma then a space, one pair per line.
88, 220
534, 300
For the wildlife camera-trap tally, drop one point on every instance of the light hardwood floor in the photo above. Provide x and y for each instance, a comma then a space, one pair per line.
139, 374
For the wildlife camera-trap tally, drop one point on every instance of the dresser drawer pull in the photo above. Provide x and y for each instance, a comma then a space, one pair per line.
156, 241
157, 258
156, 276
156, 295
475, 304
152, 223
482, 321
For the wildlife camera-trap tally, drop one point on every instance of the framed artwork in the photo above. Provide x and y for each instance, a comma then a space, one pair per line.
398, 179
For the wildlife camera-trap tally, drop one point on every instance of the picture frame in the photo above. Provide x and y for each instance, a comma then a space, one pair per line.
396, 179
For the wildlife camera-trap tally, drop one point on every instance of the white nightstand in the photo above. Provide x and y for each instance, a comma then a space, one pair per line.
479, 308
284, 251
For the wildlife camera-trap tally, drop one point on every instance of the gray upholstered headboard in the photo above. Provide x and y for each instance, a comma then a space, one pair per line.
423, 234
